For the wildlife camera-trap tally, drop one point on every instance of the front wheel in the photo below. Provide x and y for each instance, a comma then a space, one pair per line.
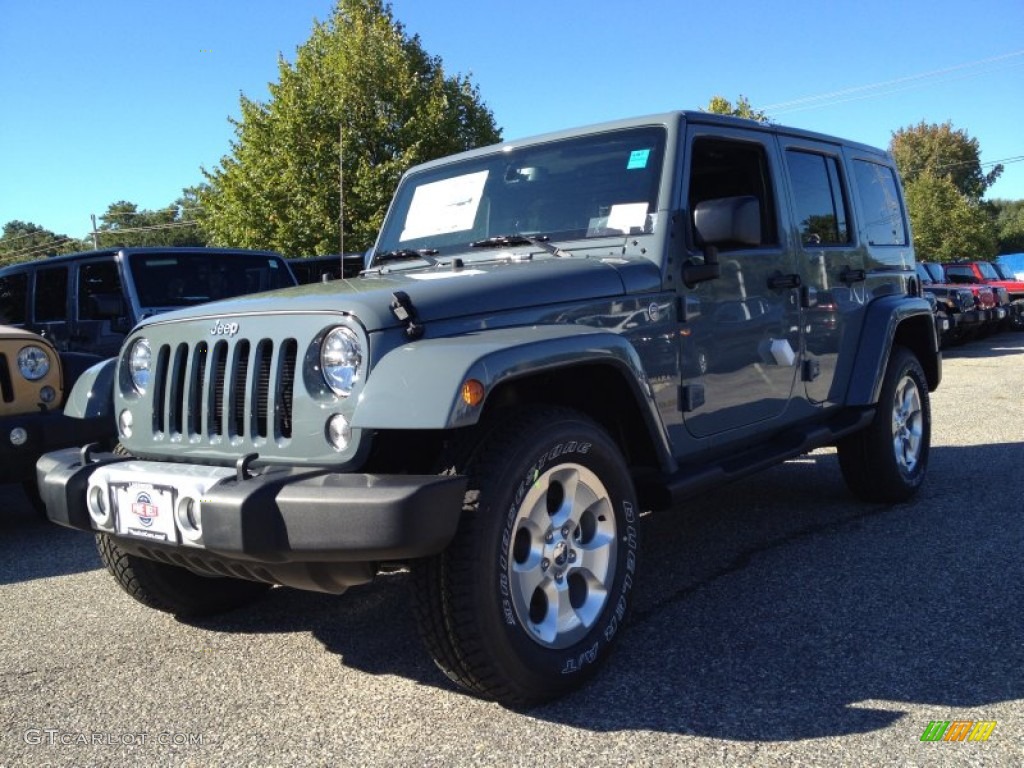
526, 602
175, 590
887, 461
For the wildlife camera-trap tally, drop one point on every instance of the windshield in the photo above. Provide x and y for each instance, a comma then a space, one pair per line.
988, 271
594, 186
184, 279
935, 271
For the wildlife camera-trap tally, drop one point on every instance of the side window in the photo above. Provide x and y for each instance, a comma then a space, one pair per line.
820, 206
13, 290
99, 290
51, 295
879, 197
728, 168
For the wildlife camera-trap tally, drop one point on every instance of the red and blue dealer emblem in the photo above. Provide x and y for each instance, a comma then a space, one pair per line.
145, 509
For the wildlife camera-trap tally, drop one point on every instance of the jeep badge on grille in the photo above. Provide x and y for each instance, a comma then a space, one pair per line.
224, 329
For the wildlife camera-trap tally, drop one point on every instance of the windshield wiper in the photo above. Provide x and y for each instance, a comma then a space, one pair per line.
504, 241
406, 253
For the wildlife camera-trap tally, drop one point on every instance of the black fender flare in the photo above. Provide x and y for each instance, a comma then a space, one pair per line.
890, 320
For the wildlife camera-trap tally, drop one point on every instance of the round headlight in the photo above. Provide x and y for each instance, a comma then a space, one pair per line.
140, 360
341, 359
33, 362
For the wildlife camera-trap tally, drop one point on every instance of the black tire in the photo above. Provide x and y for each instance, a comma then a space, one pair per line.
175, 590
508, 612
887, 462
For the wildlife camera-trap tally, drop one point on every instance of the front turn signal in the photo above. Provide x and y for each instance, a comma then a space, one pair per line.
472, 392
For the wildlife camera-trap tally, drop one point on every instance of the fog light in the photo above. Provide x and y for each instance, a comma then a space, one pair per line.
47, 395
124, 423
189, 515
99, 506
18, 436
339, 432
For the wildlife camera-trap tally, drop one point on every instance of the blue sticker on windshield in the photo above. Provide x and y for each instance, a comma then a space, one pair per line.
638, 159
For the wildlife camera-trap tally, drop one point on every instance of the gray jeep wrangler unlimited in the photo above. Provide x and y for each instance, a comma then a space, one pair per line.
549, 336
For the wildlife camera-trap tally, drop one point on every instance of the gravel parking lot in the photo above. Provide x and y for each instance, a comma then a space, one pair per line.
777, 622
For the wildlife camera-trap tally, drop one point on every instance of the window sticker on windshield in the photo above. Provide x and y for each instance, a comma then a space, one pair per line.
638, 159
445, 206
628, 218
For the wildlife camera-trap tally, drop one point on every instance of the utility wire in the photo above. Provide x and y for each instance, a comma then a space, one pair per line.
890, 86
39, 249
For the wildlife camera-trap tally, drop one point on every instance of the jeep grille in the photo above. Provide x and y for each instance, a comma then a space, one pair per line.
226, 389
6, 386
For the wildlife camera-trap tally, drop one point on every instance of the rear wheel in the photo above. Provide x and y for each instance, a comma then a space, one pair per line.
887, 461
527, 600
175, 590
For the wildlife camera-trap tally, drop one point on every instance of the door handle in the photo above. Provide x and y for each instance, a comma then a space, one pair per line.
781, 282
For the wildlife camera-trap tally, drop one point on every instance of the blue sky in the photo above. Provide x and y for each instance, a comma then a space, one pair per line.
118, 100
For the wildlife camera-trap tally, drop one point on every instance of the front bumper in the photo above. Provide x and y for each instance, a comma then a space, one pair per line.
972, 318
309, 528
40, 432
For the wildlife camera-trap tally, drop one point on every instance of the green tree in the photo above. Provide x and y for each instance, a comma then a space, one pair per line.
124, 224
942, 151
360, 82
720, 105
947, 224
1009, 219
25, 241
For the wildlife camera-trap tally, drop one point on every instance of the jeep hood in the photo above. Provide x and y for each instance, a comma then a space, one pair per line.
440, 293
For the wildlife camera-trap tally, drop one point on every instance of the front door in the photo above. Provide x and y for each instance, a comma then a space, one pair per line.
101, 312
741, 334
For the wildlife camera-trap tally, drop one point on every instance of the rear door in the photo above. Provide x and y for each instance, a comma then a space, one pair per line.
830, 265
51, 305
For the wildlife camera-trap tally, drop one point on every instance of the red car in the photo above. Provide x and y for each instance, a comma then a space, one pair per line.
987, 314
985, 273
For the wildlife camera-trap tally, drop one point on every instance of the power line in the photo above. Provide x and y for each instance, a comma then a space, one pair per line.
42, 248
890, 86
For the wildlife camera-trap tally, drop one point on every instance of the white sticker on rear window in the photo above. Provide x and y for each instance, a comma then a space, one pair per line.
445, 206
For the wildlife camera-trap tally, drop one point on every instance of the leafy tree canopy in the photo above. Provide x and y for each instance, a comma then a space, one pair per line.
947, 225
359, 81
25, 241
124, 224
720, 105
1009, 218
942, 151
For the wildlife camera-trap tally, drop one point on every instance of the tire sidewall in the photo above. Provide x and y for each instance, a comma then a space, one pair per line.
507, 638
909, 366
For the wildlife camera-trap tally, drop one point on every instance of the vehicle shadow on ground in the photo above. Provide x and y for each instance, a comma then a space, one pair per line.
34, 548
1001, 344
775, 609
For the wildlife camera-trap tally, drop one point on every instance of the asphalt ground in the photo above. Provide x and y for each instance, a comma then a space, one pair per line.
777, 622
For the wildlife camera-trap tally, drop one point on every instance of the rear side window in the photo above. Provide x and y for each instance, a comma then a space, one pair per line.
818, 198
51, 295
882, 212
99, 290
13, 290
